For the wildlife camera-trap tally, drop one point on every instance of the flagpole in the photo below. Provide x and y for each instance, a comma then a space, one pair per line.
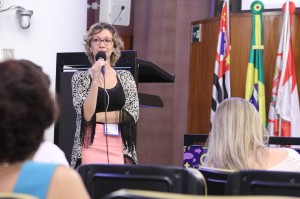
228, 22
284, 57
279, 127
286, 35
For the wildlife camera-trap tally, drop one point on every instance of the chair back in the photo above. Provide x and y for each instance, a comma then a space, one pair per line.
216, 180
261, 182
102, 179
141, 194
10, 195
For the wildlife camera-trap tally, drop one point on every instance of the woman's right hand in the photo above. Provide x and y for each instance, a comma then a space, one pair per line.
90, 102
96, 70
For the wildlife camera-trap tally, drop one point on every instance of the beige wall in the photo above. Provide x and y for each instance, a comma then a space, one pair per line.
162, 36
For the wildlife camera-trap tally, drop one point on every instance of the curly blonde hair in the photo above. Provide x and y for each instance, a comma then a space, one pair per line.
117, 40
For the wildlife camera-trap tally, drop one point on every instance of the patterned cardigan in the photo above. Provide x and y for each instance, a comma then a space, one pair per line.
81, 82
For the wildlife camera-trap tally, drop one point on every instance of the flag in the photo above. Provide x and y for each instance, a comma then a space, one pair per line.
255, 88
284, 114
221, 79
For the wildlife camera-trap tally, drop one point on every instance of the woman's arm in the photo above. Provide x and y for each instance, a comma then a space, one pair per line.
89, 106
80, 88
131, 108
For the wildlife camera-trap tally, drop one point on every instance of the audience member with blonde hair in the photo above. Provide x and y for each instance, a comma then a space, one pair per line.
27, 109
238, 140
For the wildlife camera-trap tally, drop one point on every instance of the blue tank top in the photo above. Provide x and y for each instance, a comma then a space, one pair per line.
34, 179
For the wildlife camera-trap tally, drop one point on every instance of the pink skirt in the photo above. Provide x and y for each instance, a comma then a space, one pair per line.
102, 151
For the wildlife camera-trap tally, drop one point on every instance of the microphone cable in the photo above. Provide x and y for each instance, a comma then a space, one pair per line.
122, 8
105, 111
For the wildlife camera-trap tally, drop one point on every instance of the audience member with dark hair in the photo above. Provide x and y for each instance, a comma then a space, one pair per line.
27, 108
238, 140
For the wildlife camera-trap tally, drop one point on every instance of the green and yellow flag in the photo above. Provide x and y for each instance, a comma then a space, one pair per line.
255, 88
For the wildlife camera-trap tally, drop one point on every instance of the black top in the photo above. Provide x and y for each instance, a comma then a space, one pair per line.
115, 101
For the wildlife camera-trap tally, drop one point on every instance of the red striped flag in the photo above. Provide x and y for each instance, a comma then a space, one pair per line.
221, 79
284, 113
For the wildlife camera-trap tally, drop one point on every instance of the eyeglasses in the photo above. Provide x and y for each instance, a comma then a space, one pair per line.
97, 41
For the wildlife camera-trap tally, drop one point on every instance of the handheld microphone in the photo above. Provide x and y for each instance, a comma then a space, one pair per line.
101, 55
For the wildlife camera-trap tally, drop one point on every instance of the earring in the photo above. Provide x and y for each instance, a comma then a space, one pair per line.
91, 50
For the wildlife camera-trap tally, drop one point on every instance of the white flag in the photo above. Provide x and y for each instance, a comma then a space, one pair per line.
284, 112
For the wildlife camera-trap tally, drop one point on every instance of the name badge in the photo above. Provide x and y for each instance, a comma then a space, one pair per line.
111, 129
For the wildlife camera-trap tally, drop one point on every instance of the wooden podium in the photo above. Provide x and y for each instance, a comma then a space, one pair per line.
203, 55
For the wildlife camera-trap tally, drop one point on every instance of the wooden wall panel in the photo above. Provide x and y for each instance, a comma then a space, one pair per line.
92, 13
162, 36
187, 11
203, 56
240, 46
202, 60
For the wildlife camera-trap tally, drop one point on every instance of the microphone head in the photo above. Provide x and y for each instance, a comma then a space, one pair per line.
100, 55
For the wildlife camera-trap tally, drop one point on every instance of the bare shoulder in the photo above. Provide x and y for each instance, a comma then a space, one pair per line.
278, 149
278, 152
67, 183
283, 151
276, 155
66, 173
